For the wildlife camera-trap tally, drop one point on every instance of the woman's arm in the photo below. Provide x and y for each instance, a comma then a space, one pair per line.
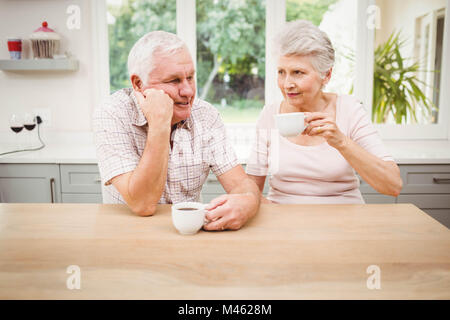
260, 180
383, 176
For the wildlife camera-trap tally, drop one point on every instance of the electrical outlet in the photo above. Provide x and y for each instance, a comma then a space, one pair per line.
45, 114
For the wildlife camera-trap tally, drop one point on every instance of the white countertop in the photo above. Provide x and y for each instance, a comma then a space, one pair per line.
78, 148
75, 148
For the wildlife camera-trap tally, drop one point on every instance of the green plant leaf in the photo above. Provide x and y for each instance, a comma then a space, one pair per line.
396, 89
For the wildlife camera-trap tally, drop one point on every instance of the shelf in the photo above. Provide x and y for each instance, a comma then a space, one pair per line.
39, 65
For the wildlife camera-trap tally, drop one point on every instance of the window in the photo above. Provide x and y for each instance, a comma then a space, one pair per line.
231, 56
428, 45
408, 52
232, 41
128, 20
405, 49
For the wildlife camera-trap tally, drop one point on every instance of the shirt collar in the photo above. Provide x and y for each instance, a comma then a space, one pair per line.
140, 120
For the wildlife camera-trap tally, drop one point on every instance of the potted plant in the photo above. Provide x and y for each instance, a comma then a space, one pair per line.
396, 88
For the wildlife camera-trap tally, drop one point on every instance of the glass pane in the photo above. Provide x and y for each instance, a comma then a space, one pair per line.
128, 20
337, 18
408, 60
231, 56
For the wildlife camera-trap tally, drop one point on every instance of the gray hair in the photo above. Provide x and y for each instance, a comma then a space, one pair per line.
140, 58
302, 38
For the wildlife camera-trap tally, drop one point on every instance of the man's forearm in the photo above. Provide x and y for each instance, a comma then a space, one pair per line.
148, 180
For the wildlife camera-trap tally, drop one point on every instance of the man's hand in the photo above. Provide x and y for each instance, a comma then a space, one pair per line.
230, 211
157, 107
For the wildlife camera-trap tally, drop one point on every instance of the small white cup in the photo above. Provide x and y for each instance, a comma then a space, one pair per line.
188, 221
290, 124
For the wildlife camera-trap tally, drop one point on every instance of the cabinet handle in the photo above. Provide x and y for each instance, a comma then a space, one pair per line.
52, 183
441, 180
98, 180
212, 180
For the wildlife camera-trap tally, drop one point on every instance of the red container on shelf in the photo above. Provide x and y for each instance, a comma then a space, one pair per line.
15, 48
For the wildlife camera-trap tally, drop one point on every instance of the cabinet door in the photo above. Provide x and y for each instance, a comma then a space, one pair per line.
441, 215
80, 178
30, 183
378, 198
426, 201
82, 198
434, 179
80, 183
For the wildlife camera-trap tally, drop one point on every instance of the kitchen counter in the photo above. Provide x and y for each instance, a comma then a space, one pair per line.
79, 149
61, 153
285, 252
75, 148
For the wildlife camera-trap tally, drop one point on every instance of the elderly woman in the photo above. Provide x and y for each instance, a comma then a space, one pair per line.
317, 166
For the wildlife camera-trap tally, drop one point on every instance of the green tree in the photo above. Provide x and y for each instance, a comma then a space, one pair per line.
231, 38
312, 10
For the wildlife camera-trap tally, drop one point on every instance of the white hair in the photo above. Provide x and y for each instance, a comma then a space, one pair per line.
303, 38
140, 58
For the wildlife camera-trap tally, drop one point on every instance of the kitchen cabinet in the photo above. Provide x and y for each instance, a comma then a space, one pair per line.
47, 183
80, 183
30, 183
82, 198
427, 187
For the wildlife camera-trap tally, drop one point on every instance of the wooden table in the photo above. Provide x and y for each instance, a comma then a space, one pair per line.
285, 252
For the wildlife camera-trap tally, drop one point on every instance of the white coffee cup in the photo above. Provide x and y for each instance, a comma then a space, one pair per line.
188, 217
290, 124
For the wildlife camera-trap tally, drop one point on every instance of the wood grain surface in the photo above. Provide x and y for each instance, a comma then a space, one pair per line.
285, 252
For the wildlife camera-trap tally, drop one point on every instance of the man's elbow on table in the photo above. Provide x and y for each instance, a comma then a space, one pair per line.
144, 210
143, 206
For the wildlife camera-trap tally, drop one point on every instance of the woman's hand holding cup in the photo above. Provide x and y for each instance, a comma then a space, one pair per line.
323, 124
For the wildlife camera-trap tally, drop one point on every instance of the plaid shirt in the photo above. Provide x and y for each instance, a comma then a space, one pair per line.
199, 144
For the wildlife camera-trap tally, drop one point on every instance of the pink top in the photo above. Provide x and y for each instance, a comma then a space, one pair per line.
313, 174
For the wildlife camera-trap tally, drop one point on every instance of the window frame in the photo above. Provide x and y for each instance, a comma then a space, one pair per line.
100, 51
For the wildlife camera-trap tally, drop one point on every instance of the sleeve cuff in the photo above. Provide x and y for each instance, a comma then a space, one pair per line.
256, 171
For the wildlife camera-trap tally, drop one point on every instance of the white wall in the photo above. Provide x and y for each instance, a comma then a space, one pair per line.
69, 95
401, 15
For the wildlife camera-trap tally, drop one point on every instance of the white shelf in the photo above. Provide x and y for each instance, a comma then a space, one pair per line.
39, 65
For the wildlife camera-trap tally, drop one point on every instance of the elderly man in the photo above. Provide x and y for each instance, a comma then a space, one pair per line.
156, 143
